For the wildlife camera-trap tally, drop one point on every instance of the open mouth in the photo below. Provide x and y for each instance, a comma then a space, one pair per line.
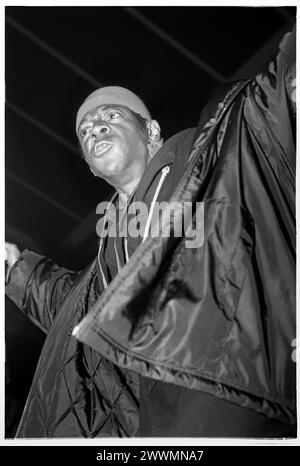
102, 147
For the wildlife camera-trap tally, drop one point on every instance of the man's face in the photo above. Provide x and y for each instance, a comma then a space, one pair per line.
114, 143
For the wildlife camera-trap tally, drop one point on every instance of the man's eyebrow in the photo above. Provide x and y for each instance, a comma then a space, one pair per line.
87, 122
113, 106
90, 117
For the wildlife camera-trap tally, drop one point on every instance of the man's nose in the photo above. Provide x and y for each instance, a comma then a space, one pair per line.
99, 128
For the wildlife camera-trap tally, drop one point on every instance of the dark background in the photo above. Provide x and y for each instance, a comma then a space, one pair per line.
173, 57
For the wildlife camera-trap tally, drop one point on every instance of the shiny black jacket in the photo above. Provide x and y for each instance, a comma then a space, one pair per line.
220, 318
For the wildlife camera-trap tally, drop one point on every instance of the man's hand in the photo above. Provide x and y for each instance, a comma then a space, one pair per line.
12, 254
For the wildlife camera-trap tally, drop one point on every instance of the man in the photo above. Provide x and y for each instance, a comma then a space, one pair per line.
176, 341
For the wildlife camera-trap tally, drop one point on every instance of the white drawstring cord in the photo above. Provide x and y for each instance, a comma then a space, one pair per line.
164, 173
126, 249
101, 271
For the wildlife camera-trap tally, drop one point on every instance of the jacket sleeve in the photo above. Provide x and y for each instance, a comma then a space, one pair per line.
275, 94
38, 287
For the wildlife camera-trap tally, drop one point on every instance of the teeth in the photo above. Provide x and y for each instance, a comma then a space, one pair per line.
101, 146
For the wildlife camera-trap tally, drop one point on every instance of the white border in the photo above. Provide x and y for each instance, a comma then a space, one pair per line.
133, 441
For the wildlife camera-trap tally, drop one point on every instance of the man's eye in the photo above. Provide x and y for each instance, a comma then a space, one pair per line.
112, 115
84, 132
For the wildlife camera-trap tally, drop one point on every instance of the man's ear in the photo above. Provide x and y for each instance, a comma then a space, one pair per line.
155, 140
153, 130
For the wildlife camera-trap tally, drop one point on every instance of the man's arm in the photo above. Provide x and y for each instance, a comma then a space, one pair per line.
36, 285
